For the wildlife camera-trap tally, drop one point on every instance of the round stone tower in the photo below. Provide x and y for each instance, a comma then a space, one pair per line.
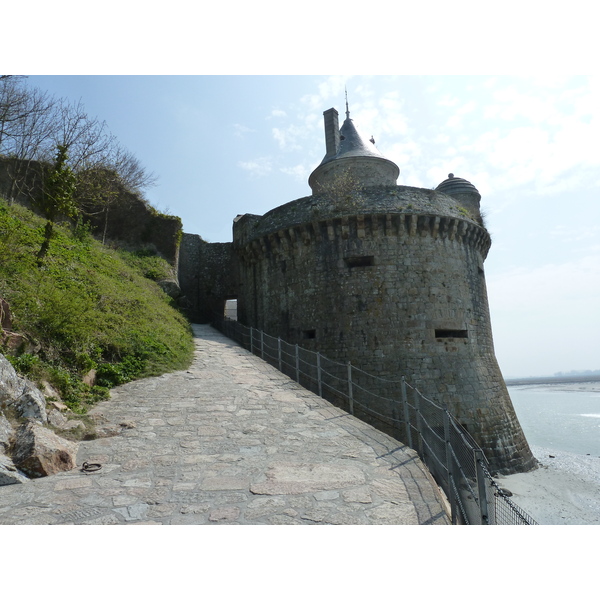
388, 277
351, 157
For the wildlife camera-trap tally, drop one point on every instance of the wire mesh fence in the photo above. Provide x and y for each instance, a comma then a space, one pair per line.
454, 459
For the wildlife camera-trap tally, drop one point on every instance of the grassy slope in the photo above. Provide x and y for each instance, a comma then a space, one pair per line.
88, 307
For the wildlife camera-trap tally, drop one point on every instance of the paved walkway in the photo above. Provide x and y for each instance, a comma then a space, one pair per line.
230, 441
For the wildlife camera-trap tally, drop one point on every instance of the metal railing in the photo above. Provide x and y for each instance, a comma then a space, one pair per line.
456, 462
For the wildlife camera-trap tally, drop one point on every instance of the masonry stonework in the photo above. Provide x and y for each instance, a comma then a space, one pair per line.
388, 277
207, 277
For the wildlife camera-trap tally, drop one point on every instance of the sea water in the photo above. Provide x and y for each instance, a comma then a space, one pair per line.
562, 425
562, 416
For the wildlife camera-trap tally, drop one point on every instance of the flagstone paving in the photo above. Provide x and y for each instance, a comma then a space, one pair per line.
231, 440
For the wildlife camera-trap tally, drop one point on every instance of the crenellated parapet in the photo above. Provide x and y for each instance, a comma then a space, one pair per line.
365, 227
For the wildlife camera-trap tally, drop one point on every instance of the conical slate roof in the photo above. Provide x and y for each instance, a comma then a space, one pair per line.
348, 151
353, 144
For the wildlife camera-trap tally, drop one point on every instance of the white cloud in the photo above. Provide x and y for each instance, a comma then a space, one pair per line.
525, 134
447, 100
332, 88
298, 172
288, 138
259, 167
241, 130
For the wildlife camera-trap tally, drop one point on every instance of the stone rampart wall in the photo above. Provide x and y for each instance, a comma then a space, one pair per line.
207, 277
130, 219
395, 294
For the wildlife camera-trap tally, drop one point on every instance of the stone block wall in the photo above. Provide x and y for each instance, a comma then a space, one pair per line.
130, 219
133, 221
396, 293
207, 277
20, 180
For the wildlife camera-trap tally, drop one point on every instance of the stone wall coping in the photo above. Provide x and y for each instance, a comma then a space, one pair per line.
369, 201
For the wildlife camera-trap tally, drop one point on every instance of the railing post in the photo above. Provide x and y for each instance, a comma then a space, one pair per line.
251, 341
421, 449
483, 502
449, 464
406, 414
279, 353
319, 384
350, 390
395, 413
262, 344
297, 365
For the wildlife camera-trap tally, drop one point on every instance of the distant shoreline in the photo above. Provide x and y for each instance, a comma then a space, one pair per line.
541, 380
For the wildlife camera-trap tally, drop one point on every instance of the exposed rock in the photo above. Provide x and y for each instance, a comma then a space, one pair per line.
57, 419
50, 392
170, 287
6, 432
39, 452
11, 385
9, 474
90, 378
73, 424
15, 342
10, 339
32, 404
20, 393
5, 315
59, 406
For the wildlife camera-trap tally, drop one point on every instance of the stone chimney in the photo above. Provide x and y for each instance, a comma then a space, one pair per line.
332, 133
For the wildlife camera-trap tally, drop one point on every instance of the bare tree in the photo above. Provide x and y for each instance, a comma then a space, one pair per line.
86, 139
33, 125
26, 127
132, 173
12, 100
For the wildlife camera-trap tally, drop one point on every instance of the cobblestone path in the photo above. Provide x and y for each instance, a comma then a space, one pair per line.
230, 441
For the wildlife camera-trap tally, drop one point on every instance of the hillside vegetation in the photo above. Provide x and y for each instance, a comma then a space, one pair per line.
85, 307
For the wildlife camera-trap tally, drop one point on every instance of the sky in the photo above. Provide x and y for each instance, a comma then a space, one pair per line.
226, 110
228, 145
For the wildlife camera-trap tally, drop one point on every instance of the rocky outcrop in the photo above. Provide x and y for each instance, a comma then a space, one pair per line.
170, 287
9, 339
6, 432
30, 450
9, 474
20, 394
39, 452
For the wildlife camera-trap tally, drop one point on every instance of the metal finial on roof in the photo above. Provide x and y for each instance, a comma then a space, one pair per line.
347, 111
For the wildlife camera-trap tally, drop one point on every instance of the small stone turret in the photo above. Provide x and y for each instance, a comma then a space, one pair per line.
347, 152
463, 191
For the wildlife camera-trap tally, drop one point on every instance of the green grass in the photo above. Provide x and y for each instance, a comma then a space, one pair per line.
87, 307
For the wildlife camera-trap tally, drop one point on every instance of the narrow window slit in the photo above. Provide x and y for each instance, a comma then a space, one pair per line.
359, 261
451, 333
